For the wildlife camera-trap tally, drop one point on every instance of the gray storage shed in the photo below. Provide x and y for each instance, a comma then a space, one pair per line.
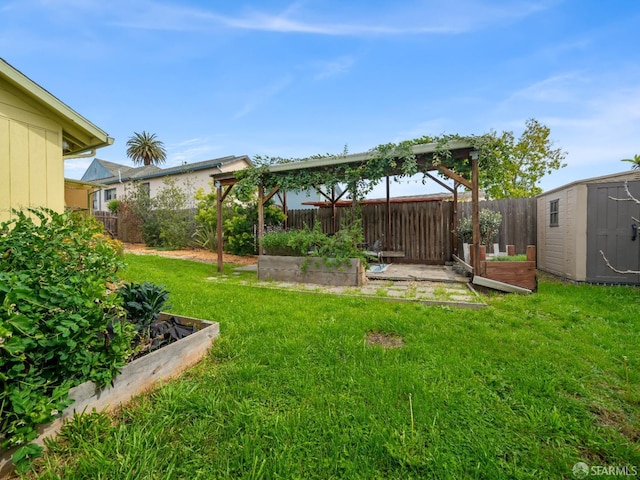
578, 220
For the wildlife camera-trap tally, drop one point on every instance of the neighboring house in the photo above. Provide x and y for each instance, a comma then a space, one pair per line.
578, 220
37, 133
117, 179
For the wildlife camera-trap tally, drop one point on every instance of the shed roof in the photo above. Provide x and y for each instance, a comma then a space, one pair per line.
629, 175
78, 133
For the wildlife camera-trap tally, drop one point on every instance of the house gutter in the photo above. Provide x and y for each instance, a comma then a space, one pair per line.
91, 153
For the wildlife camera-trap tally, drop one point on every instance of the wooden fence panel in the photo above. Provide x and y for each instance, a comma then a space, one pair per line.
422, 231
110, 222
519, 220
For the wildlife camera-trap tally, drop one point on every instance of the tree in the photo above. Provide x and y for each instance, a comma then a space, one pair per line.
512, 168
144, 148
635, 161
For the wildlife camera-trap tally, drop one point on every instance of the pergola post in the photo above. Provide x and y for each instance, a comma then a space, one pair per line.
387, 237
475, 212
220, 196
260, 216
454, 218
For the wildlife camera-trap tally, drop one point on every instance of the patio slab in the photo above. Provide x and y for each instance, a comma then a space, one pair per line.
428, 285
411, 272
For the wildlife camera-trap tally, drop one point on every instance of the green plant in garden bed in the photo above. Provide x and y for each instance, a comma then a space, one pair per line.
56, 309
508, 258
143, 303
334, 250
525, 388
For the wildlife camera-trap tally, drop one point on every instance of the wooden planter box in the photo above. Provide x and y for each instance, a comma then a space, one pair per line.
521, 274
310, 270
136, 377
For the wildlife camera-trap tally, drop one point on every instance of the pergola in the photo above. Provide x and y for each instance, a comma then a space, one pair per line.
425, 159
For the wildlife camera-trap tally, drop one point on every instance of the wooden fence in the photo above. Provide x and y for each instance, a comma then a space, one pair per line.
519, 217
110, 222
424, 231
122, 226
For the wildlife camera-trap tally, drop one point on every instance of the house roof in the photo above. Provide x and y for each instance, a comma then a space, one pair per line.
123, 173
79, 134
629, 175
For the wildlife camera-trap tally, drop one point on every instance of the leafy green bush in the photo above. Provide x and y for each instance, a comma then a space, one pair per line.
490, 222
336, 249
239, 228
60, 323
297, 242
143, 303
166, 220
113, 205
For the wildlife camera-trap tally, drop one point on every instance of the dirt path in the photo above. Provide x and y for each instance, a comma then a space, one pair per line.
196, 254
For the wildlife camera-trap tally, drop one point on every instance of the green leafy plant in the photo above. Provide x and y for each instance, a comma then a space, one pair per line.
113, 205
334, 250
489, 221
56, 312
143, 303
509, 258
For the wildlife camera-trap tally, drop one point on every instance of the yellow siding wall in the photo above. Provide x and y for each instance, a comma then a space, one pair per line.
31, 164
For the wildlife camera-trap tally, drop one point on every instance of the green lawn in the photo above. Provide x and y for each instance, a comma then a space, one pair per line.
522, 389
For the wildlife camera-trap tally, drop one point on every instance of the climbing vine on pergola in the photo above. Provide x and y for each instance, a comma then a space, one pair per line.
454, 157
391, 159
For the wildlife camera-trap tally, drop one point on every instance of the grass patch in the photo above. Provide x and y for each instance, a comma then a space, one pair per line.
293, 389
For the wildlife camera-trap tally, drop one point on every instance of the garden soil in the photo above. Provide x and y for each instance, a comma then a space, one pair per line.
196, 254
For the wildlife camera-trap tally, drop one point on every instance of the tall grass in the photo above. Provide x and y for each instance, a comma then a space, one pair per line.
523, 389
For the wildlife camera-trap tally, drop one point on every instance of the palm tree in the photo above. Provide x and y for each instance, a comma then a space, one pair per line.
143, 148
635, 160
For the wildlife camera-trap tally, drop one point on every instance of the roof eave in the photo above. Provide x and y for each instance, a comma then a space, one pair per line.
74, 125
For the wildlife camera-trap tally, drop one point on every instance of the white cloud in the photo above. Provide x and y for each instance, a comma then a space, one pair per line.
262, 95
415, 18
334, 67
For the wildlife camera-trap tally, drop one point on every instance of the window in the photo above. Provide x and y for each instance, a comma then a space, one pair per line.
553, 212
146, 188
109, 194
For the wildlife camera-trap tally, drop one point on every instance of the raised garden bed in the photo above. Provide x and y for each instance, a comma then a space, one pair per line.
136, 377
518, 273
310, 270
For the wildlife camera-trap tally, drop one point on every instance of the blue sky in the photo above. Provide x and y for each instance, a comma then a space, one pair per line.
293, 79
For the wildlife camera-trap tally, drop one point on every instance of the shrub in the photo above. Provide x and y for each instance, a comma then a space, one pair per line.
143, 303
240, 227
55, 312
113, 205
336, 249
166, 220
489, 226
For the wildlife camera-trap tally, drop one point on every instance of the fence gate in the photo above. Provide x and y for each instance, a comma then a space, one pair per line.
611, 229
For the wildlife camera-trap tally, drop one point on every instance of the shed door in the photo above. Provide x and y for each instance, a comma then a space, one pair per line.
609, 228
